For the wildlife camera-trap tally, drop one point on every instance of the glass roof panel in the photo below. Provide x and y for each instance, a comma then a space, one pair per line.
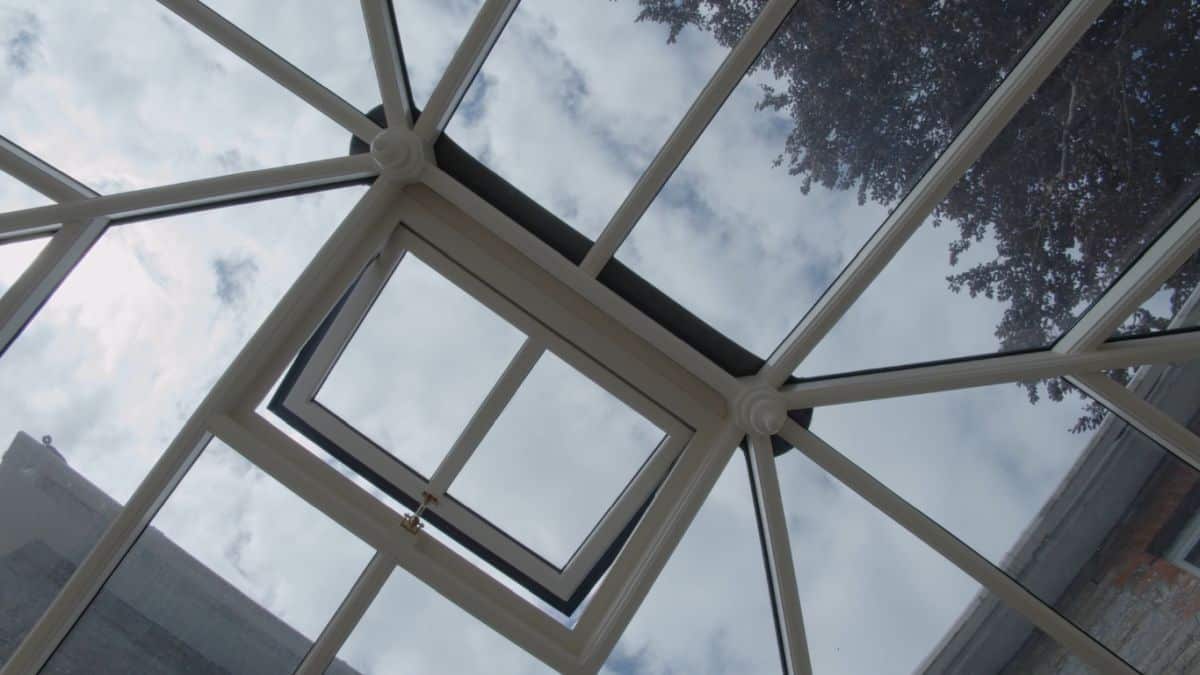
430, 32
555, 112
327, 40
1173, 306
235, 574
419, 365
562, 440
15, 258
709, 611
875, 598
1089, 172
1034, 498
410, 628
16, 195
136, 97
808, 154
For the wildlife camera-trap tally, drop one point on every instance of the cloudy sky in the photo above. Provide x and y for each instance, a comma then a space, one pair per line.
125, 95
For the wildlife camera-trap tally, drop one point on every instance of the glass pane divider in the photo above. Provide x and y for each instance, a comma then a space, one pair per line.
1000, 107
273, 66
485, 30
1166, 255
385, 53
989, 370
685, 134
994, 579
777, 556
347, 616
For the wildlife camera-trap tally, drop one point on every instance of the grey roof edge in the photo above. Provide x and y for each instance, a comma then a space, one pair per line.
1071, 525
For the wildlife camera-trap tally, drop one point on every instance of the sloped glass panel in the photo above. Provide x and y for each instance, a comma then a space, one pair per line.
1092, 168
15, 258
235, 574
327, 40
117, 359
16, 195
128, 95
820, 139
419, 366
1172, 307
557, 458
556, 112
709, 611
1072, 516
430, 32
389, 640
876, 599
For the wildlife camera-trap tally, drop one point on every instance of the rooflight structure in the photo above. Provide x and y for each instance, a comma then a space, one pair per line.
697, 393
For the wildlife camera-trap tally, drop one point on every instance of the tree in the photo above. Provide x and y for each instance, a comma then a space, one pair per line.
1098, 162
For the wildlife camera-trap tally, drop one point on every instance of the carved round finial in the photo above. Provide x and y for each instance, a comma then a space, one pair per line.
400, 154
761, 410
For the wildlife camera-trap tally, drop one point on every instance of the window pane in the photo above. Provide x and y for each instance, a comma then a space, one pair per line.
430, 32
1171, 307
121, 354
709, 611
127, 95
410, 628
419, 366
812, 149
15, 257
327, 40
1072, 516
558, 456
555, 112
1087, 174
15, 195
235, 574
876, 599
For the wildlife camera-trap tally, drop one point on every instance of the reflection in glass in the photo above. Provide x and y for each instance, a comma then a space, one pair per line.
844, 110
131, 96
1088, 173
556, 112
709, 611
1073, 517
235, 574
419, 365
113, 364
558, 456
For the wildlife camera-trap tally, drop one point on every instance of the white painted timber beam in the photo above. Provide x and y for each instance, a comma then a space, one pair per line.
385, 53
990, 370
772, 527
191, 194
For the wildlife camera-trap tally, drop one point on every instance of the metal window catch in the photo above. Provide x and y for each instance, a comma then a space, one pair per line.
412, 522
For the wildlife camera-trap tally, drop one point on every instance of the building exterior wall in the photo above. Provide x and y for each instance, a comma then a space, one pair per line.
1129, 596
